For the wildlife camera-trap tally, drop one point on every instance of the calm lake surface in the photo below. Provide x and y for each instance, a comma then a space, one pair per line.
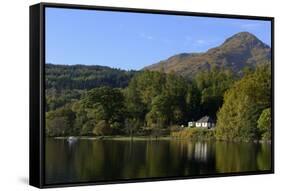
96, 160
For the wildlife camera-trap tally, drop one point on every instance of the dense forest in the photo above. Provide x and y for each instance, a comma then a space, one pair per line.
67, 82
96, 100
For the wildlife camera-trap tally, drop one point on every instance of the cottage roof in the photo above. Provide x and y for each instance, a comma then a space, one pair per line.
206, 119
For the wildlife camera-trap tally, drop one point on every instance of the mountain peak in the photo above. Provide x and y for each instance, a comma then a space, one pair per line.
244, 34
243, 38
240, 50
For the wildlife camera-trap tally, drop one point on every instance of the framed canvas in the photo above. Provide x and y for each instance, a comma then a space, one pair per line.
123, 95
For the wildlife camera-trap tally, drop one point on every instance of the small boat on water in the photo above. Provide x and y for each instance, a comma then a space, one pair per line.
72, 139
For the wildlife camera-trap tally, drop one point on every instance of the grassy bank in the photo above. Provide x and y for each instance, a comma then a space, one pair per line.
194, 134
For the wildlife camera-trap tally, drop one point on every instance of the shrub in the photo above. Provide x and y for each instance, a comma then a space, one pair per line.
102, 128
195, 134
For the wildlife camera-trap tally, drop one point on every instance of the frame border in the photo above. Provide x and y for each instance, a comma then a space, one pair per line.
37, 134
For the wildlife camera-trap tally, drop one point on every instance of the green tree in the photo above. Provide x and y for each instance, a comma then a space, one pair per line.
193, 102
60, 122
264, 124
105, 104
82, 121
142, 89
148, 84
212, 85
156, 99
160, 113
135, 107
175, 90
243, 105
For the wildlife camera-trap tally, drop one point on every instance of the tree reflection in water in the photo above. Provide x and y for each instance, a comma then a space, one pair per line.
98, 160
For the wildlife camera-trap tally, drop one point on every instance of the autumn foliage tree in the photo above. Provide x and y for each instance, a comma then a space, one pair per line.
243, 105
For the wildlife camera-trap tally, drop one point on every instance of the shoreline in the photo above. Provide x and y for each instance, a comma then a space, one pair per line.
122, 138
149, 138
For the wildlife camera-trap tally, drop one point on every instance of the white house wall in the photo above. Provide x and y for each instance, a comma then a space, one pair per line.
191, 124
201, 124
204, 124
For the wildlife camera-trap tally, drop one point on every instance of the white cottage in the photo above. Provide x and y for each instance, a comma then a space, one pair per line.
204, 122
191, 124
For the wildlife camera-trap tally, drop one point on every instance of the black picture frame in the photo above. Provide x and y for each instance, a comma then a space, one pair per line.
37, 93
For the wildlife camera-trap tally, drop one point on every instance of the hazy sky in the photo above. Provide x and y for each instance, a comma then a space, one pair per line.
135, 40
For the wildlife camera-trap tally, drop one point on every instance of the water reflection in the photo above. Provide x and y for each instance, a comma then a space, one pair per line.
200, 153
93, 160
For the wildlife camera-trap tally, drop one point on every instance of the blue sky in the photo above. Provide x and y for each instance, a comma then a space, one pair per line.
134, 40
